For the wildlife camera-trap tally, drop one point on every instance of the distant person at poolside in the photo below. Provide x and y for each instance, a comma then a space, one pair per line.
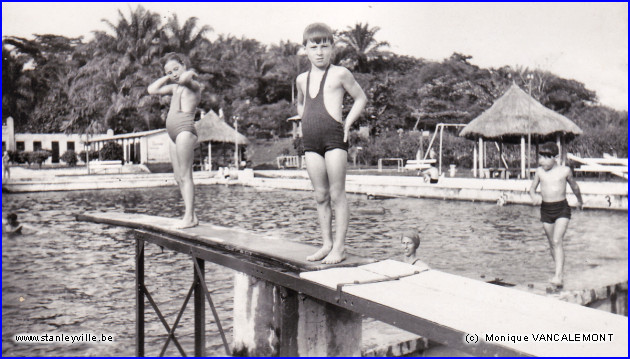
431, 174
10, 224
6, 173
411, 241
186, 92
554, 208
325, 135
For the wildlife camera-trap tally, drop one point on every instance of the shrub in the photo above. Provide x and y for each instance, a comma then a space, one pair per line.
93, 155
38, 157
15, 157
111, 151
70, 157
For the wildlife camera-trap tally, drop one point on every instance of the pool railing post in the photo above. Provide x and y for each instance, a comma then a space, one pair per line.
139, 297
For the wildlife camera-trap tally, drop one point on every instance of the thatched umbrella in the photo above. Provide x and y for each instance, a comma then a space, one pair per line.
213, 129
517, 115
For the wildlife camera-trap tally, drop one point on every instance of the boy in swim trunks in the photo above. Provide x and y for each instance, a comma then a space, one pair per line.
186, 93
554, 209
325, 135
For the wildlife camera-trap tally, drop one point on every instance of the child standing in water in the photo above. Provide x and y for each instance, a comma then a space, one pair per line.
186, 93
555, 212
325, 135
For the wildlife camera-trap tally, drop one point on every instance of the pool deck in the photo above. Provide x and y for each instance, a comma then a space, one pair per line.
600, 195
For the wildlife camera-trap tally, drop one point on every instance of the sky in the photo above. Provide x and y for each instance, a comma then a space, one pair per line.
587, 42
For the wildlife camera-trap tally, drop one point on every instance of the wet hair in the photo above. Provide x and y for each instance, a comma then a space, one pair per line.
549, 149
413, 235
174, 56
318, 33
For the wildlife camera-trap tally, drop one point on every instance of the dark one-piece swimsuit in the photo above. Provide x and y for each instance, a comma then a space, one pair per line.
177, 120
320, 131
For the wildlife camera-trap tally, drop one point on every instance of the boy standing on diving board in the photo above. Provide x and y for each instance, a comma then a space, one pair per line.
325, 135
555, 212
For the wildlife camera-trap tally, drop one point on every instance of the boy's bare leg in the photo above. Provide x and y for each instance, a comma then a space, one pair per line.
336, 162
316, 168
558, 238
549, 229
182, 167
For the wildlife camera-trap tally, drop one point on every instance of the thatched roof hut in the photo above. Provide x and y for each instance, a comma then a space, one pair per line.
515, 117
213, 129
516, 114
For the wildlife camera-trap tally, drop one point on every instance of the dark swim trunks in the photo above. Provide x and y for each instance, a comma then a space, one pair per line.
433, 180
551, 211
178, 121
320, 131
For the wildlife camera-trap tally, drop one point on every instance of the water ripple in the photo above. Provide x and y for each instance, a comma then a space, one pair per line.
64, 276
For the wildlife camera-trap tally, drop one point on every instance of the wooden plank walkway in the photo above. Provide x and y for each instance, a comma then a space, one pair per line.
478, 308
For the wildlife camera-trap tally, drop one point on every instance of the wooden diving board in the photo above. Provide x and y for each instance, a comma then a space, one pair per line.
437, 305
474, 307
290, 253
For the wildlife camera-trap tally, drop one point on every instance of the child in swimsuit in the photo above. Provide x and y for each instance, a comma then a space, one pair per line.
325, 135
186, 93
554, 208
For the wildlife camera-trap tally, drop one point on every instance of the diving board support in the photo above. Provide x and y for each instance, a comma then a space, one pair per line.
139, 298
441, 307
434, 331
199, 292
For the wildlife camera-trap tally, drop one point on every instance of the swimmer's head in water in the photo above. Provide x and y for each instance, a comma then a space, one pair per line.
410, 241
12, 217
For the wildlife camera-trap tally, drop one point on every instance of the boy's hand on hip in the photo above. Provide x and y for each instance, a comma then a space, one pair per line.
346, 132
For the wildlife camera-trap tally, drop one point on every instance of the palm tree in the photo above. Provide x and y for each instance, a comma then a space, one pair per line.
185, 39
139, 37
360, 39
288, 63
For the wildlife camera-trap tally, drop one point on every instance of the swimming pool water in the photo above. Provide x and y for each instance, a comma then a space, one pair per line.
64, 276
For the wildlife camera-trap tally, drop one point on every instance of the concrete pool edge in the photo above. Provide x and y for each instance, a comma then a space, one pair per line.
597, 195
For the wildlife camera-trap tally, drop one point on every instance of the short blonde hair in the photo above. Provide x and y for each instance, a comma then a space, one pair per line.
413, 235
318, 32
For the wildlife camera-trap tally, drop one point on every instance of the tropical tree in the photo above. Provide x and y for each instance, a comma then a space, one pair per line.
109, 90
42, 74
185, 39
363, 45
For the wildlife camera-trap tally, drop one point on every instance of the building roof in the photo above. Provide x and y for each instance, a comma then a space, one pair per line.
125, 135
212, 128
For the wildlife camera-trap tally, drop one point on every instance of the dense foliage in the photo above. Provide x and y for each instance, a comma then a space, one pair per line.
53, 84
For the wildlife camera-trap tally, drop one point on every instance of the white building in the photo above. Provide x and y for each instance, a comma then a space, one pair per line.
139, 147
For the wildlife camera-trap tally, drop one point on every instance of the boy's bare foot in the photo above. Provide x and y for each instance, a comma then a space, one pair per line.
186, 223
320, 254
556, 282
334, 257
